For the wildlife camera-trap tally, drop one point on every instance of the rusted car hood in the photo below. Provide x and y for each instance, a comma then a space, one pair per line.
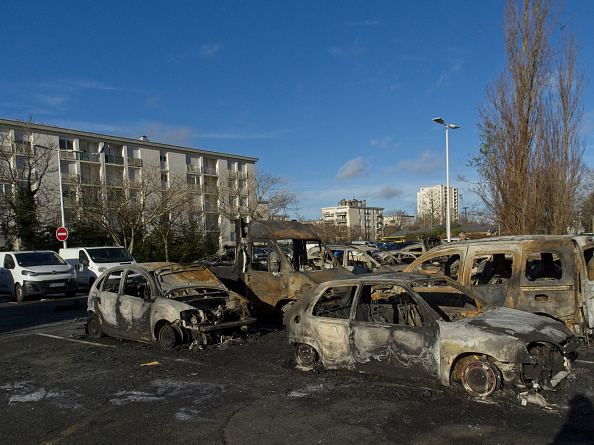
522, 325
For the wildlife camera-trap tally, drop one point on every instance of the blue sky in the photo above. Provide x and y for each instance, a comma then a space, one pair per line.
335, 96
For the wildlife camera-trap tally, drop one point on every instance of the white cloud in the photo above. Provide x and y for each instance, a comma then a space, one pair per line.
353, 169
210, 49
383, 143
427, 163
387, 192
166, 134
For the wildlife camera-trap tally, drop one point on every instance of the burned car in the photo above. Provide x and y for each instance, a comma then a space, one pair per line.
164, 303
416, 325
550, 275
271, 266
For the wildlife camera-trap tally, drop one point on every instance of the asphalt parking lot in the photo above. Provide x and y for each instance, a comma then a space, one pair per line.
59, 387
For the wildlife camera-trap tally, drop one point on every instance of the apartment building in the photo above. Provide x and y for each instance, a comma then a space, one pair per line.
81, 158
367, 222
431, 204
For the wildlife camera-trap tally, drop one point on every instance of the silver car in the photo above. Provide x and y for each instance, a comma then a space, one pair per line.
164, 303
426, 326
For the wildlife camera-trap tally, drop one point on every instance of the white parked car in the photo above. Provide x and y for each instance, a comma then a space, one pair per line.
90, 262
36, 273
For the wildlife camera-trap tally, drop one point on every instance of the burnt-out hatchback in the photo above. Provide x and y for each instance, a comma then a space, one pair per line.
415, 325
164, 303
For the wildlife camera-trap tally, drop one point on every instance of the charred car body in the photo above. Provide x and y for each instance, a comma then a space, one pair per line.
543, 274
271, 266
164, 303
426, 326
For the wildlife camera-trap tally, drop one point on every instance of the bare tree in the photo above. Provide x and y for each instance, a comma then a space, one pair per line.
395, 220
262, 196
432, 211
25, 163
529, 126
126, 209
179, 193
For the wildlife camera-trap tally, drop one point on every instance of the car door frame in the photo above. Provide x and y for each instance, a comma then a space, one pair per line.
389, 349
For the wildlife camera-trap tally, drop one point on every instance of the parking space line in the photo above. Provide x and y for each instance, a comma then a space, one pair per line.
585, 361
75, 340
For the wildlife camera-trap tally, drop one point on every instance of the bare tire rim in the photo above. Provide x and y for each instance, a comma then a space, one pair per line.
479, 378
306, 356
167, 337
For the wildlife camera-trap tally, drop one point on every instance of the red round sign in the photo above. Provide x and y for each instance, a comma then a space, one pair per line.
62, 233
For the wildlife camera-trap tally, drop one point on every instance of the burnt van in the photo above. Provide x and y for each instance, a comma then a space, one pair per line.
544, 274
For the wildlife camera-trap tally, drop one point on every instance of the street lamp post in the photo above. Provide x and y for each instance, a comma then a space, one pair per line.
439, 120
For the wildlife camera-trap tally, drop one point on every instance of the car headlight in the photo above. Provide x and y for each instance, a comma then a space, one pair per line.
102, 269
29, 273
191, 317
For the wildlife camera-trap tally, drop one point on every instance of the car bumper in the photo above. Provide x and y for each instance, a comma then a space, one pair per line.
222, 326
50, 286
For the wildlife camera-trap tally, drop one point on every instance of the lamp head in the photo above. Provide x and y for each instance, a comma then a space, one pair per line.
439, 120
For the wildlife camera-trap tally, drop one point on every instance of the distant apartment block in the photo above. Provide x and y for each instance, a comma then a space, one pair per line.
431, 204
357, 217
83, 156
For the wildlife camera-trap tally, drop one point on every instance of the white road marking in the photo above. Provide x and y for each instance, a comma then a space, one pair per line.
75, 340
585, 361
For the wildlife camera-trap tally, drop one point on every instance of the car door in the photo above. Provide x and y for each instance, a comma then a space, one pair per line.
391, 333
330, 325
134, 305
492, 272
107, 300
266, 274
6, 279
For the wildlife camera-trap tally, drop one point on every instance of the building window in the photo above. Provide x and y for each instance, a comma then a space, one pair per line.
66, 144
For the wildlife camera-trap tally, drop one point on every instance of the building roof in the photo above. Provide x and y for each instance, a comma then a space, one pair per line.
87, 135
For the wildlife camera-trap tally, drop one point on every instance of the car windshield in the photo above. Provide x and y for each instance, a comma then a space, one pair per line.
28, 259
109, 255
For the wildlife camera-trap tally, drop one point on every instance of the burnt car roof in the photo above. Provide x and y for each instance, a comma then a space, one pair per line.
513, 238
403, 278
281, 230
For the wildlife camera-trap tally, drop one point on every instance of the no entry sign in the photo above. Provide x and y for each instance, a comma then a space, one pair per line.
62, 233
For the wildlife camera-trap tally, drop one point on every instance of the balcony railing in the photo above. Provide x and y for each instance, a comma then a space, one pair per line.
70, 178
242, 175
192, 168
195, 188
232, 173
114, 159
134, 162
210, 208
68, 155
211, 190
210, 171
90, 157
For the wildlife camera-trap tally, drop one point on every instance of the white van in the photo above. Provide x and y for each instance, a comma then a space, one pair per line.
36, 273
90, 262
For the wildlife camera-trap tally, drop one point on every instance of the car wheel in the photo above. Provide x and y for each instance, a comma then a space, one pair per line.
19, 293
167, 337
94, 329
480, 378
306, 355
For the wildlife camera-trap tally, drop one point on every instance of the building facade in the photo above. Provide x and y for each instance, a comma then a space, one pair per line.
431, 205
81, 158
366, 222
